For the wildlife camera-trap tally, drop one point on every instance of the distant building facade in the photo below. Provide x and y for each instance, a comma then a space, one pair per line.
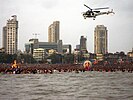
39, 54
34, 44
4, 41
47, 46
78, 47
10, 36
83, 43
31, 45
67, 49
54, 32
100, 40
59, 48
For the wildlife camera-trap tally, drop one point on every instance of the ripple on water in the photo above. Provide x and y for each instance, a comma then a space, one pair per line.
74, 86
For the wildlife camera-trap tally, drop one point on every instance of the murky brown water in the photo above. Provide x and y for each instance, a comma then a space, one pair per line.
67, 86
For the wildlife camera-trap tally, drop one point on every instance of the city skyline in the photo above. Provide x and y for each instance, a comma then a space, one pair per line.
35, 16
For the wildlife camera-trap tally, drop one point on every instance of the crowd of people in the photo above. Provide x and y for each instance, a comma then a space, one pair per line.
60, 68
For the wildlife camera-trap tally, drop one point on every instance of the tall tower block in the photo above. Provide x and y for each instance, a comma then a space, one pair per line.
10, 35
100, 40
54, 32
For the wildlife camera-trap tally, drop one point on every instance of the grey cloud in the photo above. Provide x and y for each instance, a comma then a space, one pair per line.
32, 14
48, 4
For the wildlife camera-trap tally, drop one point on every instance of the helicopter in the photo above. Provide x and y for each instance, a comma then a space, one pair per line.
92, 13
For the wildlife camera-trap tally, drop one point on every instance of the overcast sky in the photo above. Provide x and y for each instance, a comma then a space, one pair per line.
35, 16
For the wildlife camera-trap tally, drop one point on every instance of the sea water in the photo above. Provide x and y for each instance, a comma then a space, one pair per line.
67, 86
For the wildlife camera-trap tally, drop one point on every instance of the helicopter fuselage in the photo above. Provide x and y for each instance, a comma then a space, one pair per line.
92, 13
95, 13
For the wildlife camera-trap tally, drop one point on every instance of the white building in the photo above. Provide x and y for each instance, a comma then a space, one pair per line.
10, 36
39, 54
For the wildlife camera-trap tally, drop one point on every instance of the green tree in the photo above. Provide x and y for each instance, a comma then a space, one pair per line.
27, 58
7, 58
68, 58
55, 58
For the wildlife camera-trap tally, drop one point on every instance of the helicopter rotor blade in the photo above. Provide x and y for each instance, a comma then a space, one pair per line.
87, 6
101, 8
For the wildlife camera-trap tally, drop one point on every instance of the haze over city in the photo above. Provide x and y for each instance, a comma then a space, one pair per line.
35, 16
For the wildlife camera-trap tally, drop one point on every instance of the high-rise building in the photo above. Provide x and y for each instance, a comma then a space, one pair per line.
54, 32
100, 40
4, 42
59, 47
83, 43
10, 35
